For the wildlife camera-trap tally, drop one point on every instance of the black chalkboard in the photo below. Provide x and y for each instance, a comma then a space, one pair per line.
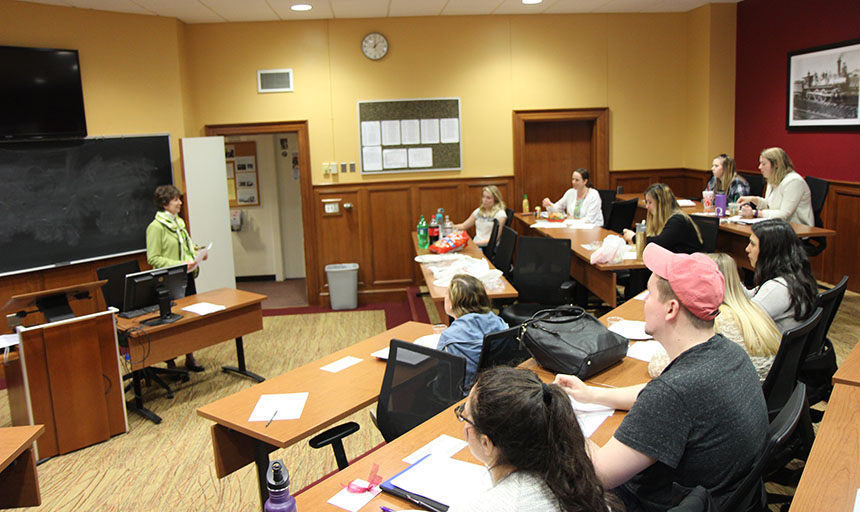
66, 201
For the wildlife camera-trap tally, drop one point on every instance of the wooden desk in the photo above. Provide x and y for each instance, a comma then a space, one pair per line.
332, 396
599, 278
149, 345
831, 476
19, 480
849, 372
438, 293
733, 237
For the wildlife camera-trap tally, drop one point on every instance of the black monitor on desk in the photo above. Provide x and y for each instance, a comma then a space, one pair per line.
157, 286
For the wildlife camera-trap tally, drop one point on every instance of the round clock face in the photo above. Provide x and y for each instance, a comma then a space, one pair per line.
374, 46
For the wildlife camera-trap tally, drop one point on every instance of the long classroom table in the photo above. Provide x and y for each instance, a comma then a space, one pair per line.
236, 442
599, 278
438, 293
733, 237
390, 456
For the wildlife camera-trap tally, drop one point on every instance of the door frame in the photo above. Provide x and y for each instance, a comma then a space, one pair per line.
300, 128
599, 139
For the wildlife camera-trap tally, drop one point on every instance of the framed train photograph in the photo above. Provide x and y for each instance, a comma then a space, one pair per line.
823, 85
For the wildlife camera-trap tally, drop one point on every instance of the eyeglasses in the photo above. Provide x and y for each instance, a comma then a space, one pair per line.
458, 412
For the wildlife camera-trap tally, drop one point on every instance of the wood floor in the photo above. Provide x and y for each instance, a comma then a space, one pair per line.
289, 293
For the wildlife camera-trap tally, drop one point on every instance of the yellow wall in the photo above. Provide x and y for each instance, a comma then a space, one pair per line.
130, 65
655, 72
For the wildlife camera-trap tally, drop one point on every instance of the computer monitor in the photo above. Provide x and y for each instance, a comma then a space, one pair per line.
157, 286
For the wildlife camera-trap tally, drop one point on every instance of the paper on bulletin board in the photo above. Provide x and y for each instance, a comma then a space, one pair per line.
246, 196
231, 169
231, 189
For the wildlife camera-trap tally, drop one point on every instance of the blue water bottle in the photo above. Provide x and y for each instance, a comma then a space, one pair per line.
278, 481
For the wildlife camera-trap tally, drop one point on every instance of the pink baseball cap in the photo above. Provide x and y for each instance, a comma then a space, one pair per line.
695, 278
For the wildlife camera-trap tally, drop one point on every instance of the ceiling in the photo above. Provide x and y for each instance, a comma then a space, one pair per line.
221, 11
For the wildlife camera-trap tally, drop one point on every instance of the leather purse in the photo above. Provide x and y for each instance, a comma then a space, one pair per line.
570, 340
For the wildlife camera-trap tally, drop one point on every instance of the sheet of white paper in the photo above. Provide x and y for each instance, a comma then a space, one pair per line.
741, 220
429, 340
390, 133
410, 131
371, 158
644, 350
630, 329
393, 158
589, 422
584, 407
285, 406
445, 480
449, 130
203, 308
629, 255
442, 446
546, 224
340, 364
370, 133
429, 131
420, 157
8, 340
857, 501
381, 353
353, 501
202, 253
686, 202
642, 296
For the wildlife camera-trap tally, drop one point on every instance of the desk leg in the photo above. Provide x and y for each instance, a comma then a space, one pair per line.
240, 369
261, 458
136, 405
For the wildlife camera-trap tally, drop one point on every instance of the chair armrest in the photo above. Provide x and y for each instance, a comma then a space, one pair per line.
333, 434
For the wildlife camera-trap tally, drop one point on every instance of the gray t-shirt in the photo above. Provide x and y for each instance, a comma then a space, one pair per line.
704, 420
521, 490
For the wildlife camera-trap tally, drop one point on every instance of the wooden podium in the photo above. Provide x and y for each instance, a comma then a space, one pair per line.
67, 377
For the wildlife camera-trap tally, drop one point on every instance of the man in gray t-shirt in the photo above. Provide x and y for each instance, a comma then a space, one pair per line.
704, 420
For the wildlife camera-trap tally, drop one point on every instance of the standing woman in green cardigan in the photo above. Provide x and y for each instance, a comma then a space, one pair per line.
168, 243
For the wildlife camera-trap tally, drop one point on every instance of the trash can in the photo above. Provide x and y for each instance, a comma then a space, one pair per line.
343, 285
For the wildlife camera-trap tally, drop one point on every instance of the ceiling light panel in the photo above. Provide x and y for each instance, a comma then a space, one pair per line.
321, 9
246, 10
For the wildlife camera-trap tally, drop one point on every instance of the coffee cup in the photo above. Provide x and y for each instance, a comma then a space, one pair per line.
708, 200
734, 208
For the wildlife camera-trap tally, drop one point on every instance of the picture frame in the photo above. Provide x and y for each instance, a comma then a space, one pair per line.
822, 90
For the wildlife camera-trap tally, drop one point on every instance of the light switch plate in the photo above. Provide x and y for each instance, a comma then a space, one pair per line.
343, 167
332, 207
352, 167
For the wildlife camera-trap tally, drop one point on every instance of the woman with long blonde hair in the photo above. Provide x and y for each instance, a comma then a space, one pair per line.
740, 320
666, 224
726, 180
787, 195
492, 207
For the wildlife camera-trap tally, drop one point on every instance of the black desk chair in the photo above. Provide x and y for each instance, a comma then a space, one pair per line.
818, 363
505, 251
490, 249
818, 189
607, 197
621, 215
709, 227
502, 348
541, 276
419, 383
756, 182
510, 213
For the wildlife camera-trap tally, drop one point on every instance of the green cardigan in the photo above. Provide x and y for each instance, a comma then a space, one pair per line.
162, 245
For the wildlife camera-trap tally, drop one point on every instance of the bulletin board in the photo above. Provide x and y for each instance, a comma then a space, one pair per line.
243, 188
410, 135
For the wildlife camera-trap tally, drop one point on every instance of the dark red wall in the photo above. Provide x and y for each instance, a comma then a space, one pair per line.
767, 31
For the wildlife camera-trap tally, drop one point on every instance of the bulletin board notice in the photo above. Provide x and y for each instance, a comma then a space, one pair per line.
410, 135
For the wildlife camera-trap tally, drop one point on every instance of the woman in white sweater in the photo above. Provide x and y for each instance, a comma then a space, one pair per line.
526, 433
787, 195
581, 201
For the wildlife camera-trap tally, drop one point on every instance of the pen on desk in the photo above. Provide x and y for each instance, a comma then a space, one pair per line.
386, 509
270, 419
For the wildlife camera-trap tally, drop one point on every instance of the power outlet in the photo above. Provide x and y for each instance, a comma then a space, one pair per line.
332, 207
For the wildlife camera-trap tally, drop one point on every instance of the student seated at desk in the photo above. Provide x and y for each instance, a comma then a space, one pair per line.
581, 201
704, 420
785, 287
666, 224
787, 195
527, 435
492, 207
468, 304
726, 179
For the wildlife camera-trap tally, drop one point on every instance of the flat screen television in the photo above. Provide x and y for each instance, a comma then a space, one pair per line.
40, 94
156, 287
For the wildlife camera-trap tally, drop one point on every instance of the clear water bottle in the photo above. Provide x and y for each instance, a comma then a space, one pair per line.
440, 214
448, 227
278, 481
423, 234
640, 239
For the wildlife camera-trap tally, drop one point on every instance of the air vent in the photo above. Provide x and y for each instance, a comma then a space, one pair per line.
274, 80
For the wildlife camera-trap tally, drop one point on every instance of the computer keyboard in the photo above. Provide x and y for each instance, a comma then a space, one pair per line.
134, 313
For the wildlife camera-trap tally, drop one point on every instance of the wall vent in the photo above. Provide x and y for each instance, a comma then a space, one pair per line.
274, 80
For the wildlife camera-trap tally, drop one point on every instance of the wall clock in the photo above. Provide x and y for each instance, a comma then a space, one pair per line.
374, 46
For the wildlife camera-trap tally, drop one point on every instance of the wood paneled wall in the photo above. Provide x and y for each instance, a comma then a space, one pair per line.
375, 231
683, 182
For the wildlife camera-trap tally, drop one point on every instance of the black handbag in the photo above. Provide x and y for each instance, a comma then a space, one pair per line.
569, 340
